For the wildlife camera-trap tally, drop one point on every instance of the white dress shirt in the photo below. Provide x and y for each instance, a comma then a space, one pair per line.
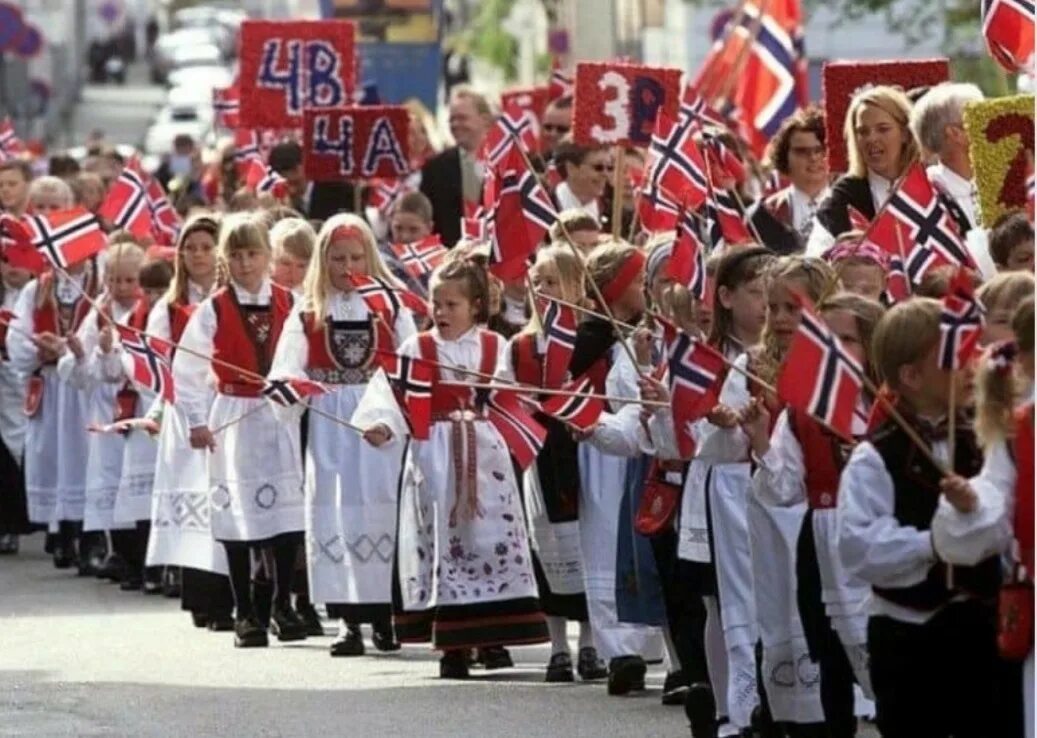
569, 201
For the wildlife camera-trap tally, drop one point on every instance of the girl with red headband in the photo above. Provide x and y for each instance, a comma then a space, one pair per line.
464, 573
333, 337
255, 469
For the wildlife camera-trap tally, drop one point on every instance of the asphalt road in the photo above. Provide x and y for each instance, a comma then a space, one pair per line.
80, 658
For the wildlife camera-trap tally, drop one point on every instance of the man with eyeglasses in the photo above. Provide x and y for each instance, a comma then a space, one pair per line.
786, 218
557, 122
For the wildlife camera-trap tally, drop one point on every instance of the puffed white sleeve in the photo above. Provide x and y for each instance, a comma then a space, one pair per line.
619, 434
289, 361
405, 326
158, 321
191, 372
780, 477
968, 538
23, 353
623, 376
872, 543
378, 404
727, 445
820, 240
83, 373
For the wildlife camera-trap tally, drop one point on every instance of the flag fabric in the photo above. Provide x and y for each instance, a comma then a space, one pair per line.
383, 193
724, 222
523, 436
262, 179
16, 246
687, 259
721, 162
521, 216
916, 217
961, 322
10, 145
66, 237
819, 376
578, 410
656, 209
693, 106
381, 296
420, 257
126, 205
165, 221
898, 285
246, 149
514, 127
675, 162
289, 392
149, 361
560, 338
695, 373
412, 381
561, 84
858, 220
226, 104
1008, 29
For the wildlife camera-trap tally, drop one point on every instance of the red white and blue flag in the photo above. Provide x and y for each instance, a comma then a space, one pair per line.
66, 237
725, 225
687, 259
695, 108
657, 210
675, 162
522, 434
149, 361
411, 380
561, 84
246, 149
560, 339
420, 257
126, 204
695, 373
382, 297
578, 410
10, 145
522, 214
165, 221
289, 392
961, 322
262, 179
514, 127
819, 376
1008, 29
383, 193
226, 104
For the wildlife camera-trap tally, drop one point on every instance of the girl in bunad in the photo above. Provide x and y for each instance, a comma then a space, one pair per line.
92, 366
800, 462
181, 535
51, 309
755, 544
14, 511
618, 270
350, 485
463, 573
997, 514
551, 488
255, 469
136, 479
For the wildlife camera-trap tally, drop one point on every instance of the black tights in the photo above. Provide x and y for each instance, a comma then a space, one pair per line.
281, 550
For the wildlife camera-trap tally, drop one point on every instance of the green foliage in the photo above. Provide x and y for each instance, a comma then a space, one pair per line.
485, 38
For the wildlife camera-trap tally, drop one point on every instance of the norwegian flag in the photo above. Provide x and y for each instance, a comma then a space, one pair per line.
412, 380
475, 224
578, 410
724, 222
560, 338
561, 84
289, 392
523, 436
147, 359
898, 286
656, 209
165, 221
675, 162
926, 229
261, 179
420, 257
1008, 31
522, 214
226, 103
858, 220
66, 237
695, 374
721, 162
695, 108
381, 296
961, 322
687, 259
383, 193
514, 127
776, 182
16, 246
819, 377
126, 205
246, 150
10, 145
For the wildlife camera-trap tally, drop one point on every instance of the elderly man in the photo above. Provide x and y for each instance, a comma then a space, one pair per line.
453, 177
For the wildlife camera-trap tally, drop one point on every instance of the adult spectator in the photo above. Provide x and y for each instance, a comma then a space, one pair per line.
453, 176
316, 200
585, 171
15, 175
556, 124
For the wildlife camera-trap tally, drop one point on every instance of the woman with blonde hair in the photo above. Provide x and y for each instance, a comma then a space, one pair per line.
333, 336
881, 147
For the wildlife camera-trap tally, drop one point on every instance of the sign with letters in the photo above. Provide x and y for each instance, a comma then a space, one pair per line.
288, 66
616, 104
533, 99
356, 142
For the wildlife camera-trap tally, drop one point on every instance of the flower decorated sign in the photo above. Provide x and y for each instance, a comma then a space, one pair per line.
1001, 146
616, 104
356, 143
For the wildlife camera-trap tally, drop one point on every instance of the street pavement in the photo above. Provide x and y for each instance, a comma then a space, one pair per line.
123, 112
80, 658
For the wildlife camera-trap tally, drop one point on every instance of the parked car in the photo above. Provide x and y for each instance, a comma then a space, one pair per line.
202, 78
171, 44
184, 117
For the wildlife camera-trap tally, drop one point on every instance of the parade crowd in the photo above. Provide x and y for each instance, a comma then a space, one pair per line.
340, 427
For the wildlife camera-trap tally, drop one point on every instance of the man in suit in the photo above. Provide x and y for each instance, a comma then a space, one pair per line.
453, 176
315, 200
785, 218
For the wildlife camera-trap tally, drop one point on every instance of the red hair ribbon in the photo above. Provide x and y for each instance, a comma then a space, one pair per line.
344, 232
634, 265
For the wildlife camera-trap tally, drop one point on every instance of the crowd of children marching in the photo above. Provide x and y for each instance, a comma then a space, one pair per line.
794, 581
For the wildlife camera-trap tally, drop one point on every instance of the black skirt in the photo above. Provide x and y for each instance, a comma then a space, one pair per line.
14, 510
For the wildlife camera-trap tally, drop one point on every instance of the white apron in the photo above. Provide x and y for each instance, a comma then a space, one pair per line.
133, 498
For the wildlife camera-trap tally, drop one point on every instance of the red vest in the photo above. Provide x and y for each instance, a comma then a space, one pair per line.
822, 459
45, 315
1024, 491
529, 367
446, 401
235, 343
179, 313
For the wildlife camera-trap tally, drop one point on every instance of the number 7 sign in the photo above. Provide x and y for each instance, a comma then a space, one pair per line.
616, 104
288, 66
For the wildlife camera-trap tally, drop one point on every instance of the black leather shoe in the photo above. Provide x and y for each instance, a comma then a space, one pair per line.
348, 642
626, 674
589, 666
286, 624
560, 669
311, 618
131, 583
63, 556
453, 665
171, 586
201, 620
153, 580
248, 633
113, 568
675, 688
383, 637
220, 623
495, 657
8, 543
701, 709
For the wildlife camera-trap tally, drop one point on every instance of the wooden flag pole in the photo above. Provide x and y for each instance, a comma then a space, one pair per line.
618, 171
557, 392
